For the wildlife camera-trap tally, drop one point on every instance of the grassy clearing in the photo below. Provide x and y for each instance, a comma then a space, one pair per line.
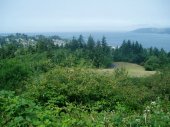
134, 70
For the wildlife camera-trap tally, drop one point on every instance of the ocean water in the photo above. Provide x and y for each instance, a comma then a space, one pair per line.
115, 39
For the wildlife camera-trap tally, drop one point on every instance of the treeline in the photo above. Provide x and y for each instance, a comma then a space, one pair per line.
91, 53
97, 53
150, 58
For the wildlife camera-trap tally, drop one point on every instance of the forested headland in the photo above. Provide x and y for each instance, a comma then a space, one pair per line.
50, 81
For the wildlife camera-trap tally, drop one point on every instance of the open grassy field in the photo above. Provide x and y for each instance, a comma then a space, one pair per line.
133, 70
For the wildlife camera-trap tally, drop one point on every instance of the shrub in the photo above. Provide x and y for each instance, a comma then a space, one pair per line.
152, 63
13, 75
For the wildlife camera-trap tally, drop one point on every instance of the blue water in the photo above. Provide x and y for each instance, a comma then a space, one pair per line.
115, 39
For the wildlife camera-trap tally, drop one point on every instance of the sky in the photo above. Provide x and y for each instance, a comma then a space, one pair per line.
82, 15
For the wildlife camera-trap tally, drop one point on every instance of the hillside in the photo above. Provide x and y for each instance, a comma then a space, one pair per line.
153, 30
78, 85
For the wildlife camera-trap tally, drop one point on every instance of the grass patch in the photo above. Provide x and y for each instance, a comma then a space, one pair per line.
134, 70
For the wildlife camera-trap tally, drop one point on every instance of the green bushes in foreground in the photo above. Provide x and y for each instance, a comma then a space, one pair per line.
67, 97
83, 86
13, 75
19, 111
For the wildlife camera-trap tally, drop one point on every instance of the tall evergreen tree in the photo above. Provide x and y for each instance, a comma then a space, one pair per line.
90, 43
81, 41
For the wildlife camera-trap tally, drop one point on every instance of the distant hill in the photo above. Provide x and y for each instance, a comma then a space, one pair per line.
153, 30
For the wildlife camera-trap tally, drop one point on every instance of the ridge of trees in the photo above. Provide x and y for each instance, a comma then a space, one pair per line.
99, 53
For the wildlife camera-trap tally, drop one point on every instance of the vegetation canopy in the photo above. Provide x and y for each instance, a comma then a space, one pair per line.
47, 81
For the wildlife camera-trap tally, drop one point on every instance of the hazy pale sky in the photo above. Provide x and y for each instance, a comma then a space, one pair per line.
82, 15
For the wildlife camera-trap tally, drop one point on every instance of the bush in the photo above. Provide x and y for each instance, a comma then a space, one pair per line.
82, 86
13, 75
19, 111
152, 63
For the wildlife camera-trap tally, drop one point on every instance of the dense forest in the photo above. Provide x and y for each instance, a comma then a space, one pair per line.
48, 81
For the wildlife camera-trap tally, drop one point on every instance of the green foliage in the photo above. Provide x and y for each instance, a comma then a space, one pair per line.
152, 63
12, 74
99, 54
17, 111
66, 58
57, 85
73, 84
43, 66
8, 51
130, 52
88, 88
121, 72
44, 44
151, 58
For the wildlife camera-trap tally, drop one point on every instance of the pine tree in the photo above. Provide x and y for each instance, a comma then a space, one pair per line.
90, 43
81, 41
